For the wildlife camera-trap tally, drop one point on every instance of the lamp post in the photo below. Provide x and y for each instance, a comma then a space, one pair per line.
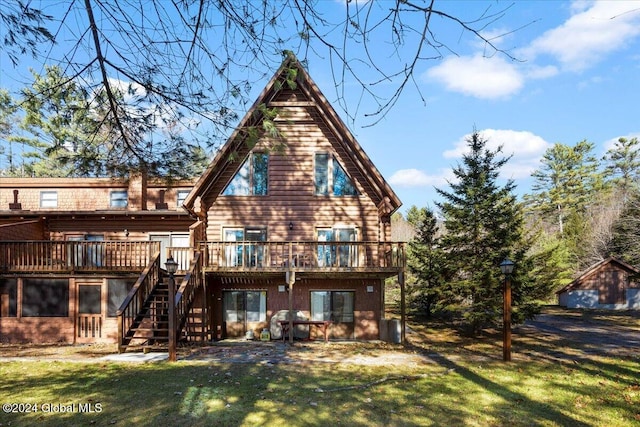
172, 267
506, 266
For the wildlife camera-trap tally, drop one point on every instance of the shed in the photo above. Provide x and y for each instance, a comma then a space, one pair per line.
610, 284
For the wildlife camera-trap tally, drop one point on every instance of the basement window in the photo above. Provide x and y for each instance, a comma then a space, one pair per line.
337, 306
117, 291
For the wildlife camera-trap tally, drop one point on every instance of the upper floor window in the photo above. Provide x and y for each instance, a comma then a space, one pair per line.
119, 199
331, 178
251, 178
182, 196
48, 199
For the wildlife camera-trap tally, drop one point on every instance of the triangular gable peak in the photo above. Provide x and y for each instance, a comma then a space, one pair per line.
290, 86
595, 269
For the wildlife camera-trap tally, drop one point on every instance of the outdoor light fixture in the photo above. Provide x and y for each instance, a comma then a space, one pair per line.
172, 267
291, 226
506, 266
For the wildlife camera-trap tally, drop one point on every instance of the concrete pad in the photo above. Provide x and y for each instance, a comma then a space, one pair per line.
136, 357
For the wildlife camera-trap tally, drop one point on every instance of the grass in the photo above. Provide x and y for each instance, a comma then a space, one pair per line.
465, 384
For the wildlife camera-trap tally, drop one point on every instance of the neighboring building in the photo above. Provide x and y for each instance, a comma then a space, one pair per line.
609, 284
294, 222
71, 249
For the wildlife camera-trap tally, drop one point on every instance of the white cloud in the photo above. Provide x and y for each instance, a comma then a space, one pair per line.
525, 148
609, 144
478, 76
535, 72
416, 178
594, 30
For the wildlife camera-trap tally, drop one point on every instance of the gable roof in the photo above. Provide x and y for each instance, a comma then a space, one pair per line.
595, 268
377, 188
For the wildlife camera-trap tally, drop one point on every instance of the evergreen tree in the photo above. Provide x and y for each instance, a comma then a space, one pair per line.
426, 261
623, 165
565, 183
626, 232
483, 225
71, 134
8, 110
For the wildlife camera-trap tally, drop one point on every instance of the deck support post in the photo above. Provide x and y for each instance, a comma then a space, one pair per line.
172, 319
402, 305
291, 280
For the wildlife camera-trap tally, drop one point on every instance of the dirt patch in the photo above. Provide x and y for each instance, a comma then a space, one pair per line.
355, 353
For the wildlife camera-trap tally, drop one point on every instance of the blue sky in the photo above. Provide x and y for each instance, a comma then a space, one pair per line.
575, 78
578, 77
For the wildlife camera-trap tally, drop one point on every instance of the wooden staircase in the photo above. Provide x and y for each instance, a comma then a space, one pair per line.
150, 327
143, 318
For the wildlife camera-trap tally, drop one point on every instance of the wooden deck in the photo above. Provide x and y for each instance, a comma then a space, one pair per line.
326, 258
75, 256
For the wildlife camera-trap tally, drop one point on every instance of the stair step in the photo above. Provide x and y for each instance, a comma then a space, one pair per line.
149, 337
150, 329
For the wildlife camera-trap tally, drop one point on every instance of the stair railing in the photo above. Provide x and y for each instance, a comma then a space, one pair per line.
186, 293
129, 311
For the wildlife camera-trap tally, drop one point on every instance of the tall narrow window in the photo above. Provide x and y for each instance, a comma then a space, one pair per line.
322, 174
331, 178
48, 199
252, 177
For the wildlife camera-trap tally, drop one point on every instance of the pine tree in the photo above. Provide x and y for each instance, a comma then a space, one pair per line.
623, 165
426, 261
565, 183
483, 225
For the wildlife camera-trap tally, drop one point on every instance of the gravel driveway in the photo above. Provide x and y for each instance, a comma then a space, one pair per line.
572, 335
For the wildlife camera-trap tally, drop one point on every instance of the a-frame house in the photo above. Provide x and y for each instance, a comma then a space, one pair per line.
296, 220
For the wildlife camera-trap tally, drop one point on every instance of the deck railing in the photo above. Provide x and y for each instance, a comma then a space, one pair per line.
130, 309
182, 256
75, 256
304, 255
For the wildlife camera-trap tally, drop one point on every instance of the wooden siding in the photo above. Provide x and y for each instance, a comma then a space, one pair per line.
611, 278
88, 194
23, 230
73, 328
610, 281
368, 301
291, 189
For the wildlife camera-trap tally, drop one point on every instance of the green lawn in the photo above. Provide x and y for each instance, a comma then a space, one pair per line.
462, 388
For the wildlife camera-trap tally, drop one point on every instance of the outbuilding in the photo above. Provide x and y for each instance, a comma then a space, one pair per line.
610, 284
